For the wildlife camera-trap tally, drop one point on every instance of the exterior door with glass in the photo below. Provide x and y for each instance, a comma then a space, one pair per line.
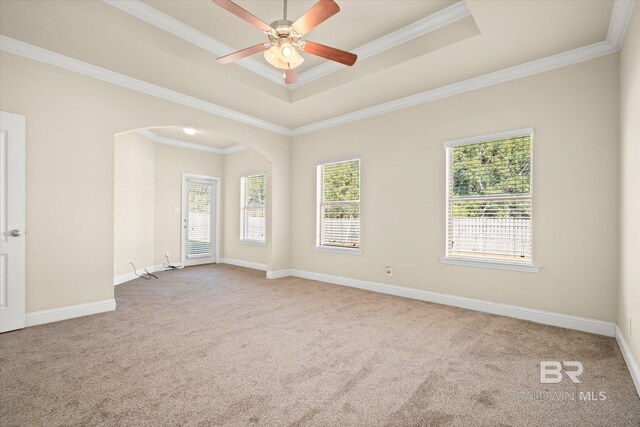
200, 213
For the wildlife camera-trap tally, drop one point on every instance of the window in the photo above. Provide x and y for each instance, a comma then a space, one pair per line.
489, 201
339, 206
252, 211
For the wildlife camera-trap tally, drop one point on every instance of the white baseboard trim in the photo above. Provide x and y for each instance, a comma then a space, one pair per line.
278, 274
123, 278
247, 264
583, 324
634, 370
69, 312
160, 267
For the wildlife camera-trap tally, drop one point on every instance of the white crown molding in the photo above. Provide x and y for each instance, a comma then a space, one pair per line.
446, 16
39, 54
619, 20
163, 21
234, 149
538, 66
556, 61
577, 323
69, 312
534, 67
634, 370
160, 20
190, 145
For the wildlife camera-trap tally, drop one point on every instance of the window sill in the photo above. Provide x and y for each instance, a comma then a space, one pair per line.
195, 256
253, 242
338, 250
529, 268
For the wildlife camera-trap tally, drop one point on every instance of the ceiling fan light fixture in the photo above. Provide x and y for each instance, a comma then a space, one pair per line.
295, 60
286, 49
274, 57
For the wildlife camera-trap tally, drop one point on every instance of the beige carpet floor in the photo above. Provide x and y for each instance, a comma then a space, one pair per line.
221, 345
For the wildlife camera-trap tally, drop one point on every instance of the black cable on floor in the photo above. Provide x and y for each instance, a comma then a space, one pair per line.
145, 276
149, 274
169, 265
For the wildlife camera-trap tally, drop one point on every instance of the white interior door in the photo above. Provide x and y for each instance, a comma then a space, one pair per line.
12, 221
200, 213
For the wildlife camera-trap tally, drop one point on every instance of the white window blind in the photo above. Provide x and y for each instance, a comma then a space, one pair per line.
339, 204
252, 210
489, 200
199, 231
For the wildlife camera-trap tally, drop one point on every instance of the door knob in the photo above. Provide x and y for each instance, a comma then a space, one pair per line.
16, 233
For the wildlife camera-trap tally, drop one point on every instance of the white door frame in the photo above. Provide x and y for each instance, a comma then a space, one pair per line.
184, 210
12, 226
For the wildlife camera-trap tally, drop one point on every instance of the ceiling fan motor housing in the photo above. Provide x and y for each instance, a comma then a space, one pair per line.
282, 26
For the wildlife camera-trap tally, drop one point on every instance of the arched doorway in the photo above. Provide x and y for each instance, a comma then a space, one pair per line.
177, 201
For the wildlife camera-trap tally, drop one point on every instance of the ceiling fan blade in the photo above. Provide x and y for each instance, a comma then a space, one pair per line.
337, 55
232, 57
244, 14
313, 17
290, 76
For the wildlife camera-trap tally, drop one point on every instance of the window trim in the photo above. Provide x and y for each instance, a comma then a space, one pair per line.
319, 187
485, 263
338, 250
252, 242
516, 133
529, 266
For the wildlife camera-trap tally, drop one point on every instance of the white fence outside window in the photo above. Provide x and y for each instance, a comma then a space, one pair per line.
497, 236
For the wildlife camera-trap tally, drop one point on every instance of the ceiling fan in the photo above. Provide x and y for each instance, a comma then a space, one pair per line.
285, 36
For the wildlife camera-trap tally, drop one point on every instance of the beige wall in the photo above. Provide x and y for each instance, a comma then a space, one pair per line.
72, 120
134, 201
171, 162
71, 123
629, 292
236, 165
574, 111
148, 190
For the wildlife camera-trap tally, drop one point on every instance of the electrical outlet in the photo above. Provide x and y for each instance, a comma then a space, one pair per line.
389, 271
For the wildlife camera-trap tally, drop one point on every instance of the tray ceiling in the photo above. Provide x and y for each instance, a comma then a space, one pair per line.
494, 35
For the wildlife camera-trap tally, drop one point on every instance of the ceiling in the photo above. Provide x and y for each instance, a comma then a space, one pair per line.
202, 136
356, 16
171, 43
